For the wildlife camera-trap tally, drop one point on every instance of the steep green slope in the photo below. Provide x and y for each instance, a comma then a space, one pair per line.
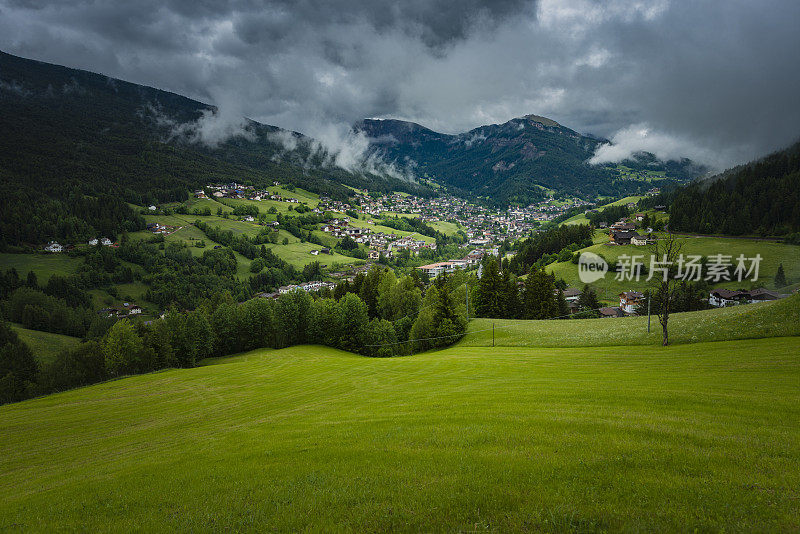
693, 437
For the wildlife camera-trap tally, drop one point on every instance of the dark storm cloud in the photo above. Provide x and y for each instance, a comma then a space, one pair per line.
715, 80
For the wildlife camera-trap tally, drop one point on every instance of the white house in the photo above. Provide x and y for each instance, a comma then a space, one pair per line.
132, 309
152, 208
435, 269
93, 242
106, 242
721, 298
52, 246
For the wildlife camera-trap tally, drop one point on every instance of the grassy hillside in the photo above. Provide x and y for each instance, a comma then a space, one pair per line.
691, 437
296, 253
44, 265
777, 318
581, 217
44, 345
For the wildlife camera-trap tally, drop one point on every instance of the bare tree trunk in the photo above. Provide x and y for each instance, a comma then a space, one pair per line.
668, 248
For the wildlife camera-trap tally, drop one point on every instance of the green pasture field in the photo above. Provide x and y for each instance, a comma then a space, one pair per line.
445, 227
44, 265
44, 345
768, 319
693, 437
581, 217
361, 223
299, 255
772, 254
630, 174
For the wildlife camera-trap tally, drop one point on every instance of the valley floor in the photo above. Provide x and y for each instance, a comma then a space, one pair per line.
698, 436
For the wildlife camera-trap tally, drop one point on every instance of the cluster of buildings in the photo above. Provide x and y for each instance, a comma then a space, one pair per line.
624, 233
629, 301
162, 229
380, 243
234, 190
470, 260
722, 298
56, 247
309, 287
482, 225
128, 309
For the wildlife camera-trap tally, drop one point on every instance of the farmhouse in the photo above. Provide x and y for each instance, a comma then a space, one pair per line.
623, 237
53, 246
126, 310
611, 312
623, 226
629, 300
722, 298
762, 295
572, 294
638, 240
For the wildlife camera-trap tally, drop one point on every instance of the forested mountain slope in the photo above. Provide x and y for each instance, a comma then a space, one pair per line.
66, 134
517, 161
762, 198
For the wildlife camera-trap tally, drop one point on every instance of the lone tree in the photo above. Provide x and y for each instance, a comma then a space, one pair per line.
666, 250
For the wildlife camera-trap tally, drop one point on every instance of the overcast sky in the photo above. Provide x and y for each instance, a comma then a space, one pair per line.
715, 80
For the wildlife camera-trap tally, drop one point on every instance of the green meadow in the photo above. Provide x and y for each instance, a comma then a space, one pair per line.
772, 255
445, 227
581, 217
44, 345
44, 265
641, 438
768, 319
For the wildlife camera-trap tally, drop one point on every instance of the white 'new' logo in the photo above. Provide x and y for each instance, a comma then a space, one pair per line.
591, 267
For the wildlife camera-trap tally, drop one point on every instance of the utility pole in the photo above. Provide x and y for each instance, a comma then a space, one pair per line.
648, 311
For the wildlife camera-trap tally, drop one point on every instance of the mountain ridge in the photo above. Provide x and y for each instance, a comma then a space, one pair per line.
520, 160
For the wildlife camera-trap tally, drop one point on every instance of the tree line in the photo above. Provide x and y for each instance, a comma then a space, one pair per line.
543, 248
376, 315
